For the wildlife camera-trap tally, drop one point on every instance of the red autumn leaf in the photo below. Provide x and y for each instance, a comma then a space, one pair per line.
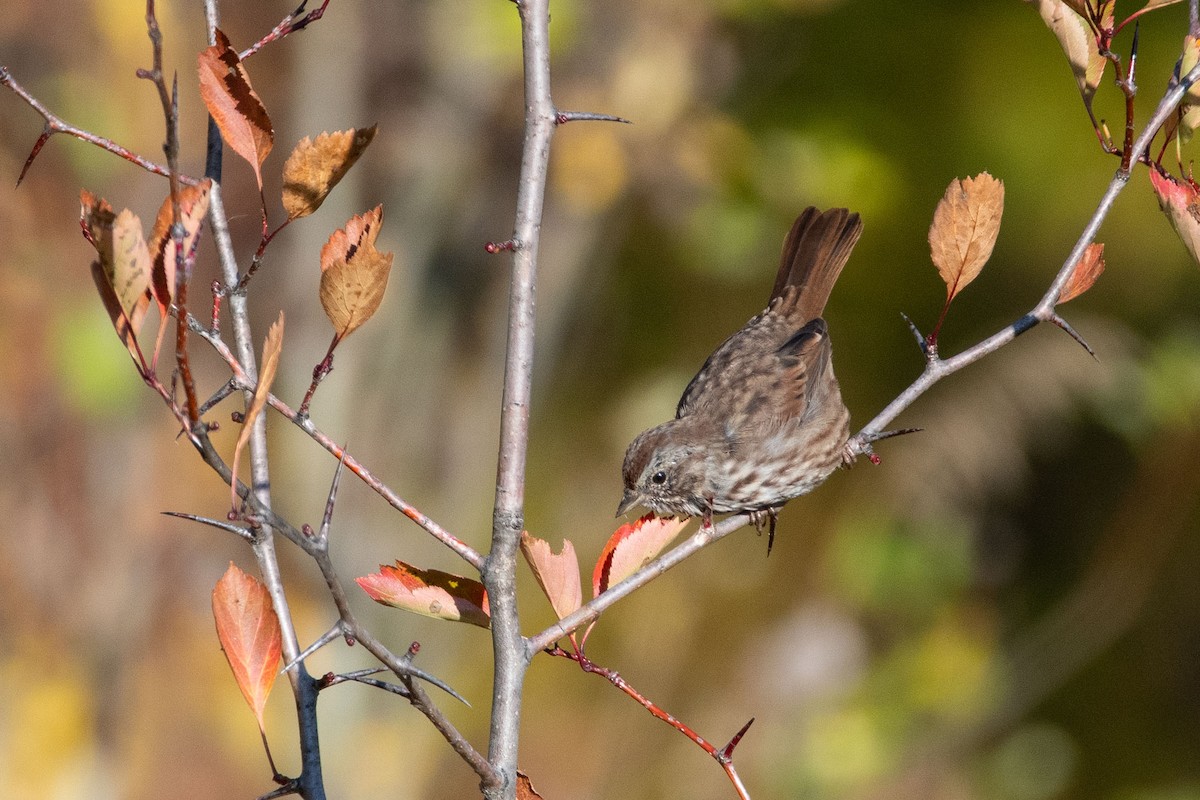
241, 116
556, 573
1181, 203
315, 167
249, 634
1085, 273
266, 376
354, 274
632, 547
429, 592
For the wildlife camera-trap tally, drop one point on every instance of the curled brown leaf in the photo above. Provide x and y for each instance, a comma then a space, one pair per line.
1084, 275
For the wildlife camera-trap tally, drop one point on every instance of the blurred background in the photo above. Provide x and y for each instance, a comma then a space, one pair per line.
1005, 608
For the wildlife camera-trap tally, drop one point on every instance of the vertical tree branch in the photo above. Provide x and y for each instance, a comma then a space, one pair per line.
309, 784
499, 573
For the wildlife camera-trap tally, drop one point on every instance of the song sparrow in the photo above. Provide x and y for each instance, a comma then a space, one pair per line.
763, 420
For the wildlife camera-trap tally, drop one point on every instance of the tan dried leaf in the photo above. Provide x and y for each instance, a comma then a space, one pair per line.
122, 274
233, 104
131, 262
965, 225
1085, 273
266, 376
1065, 21
354, 274
556, 573
315, 167
126, 325
249, 634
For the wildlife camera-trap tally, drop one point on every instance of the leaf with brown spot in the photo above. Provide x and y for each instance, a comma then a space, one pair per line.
193, 209
429, 592
122, 274
233, 104
249, 633
1085, 273
315, 167
127, 326
556, 573
965, 225
354, 274
266, 376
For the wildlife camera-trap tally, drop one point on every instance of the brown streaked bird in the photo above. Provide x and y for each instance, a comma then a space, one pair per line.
763, 420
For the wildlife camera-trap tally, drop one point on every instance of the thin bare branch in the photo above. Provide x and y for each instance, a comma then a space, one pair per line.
510, 656
236, 530
55, 124
938, 368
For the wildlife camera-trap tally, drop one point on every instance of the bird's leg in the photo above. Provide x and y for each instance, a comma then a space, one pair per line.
773, 515
706, 517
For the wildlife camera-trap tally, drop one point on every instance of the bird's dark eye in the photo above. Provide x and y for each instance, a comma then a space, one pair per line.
659, 477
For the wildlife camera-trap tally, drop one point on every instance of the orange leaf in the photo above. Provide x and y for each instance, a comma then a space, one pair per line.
234, 106
193, 208
354, 274
1085, 273
429, 592
315, 167
266, 376
249, 634
632, 547
965, 225
557, 574
525, 790
1181, 203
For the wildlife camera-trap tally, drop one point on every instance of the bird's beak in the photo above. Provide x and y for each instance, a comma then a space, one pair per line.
630, 500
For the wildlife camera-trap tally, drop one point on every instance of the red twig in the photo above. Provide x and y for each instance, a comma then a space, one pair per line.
722, 755
320, 372
287, 25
